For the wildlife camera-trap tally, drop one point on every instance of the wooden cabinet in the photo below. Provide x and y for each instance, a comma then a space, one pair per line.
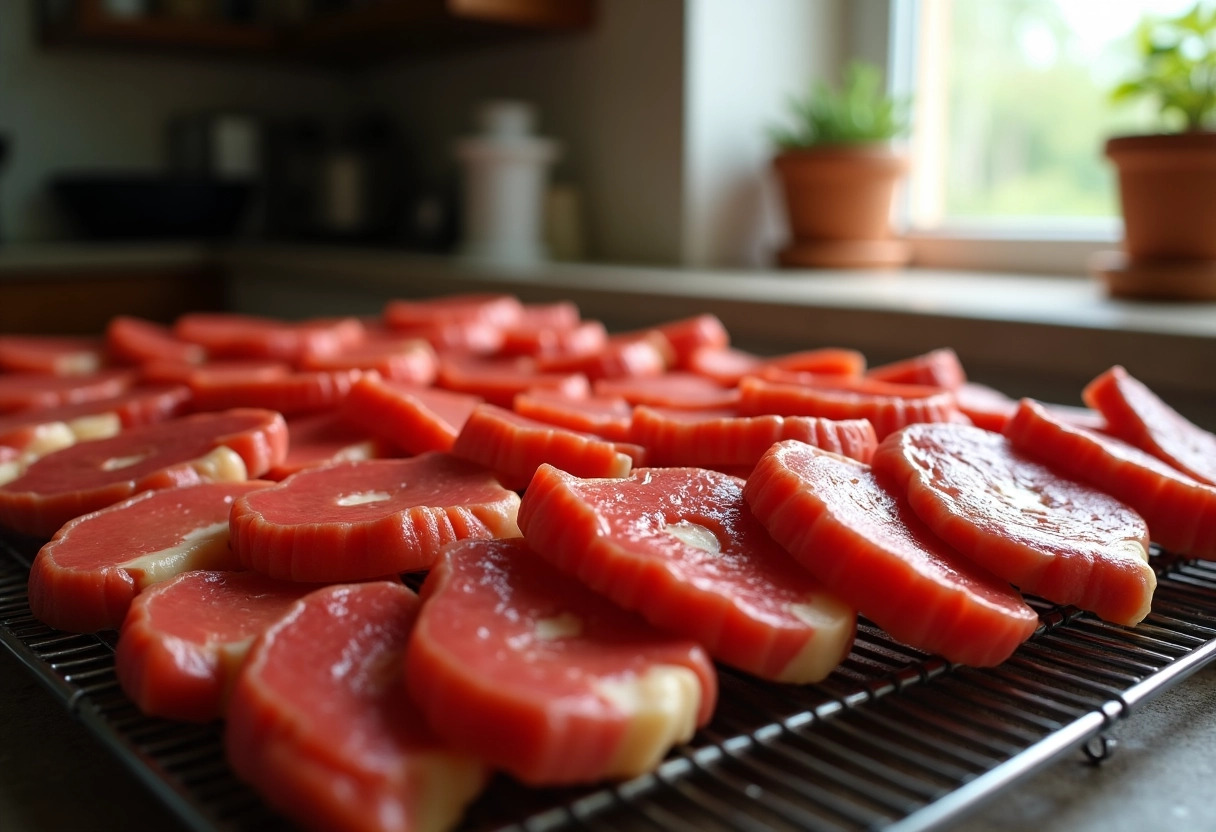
360, 32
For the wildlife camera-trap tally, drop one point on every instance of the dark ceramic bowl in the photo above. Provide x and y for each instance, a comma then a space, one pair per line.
151, 206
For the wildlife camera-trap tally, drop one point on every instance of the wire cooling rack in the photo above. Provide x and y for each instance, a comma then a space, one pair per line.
894, 739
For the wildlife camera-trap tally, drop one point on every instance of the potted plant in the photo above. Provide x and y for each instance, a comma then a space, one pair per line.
1167, 181
838, 173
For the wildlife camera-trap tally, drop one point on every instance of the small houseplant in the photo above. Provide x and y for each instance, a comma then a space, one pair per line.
838, 173
1167, 180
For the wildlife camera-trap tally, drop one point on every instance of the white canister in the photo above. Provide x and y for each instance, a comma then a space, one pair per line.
506, 171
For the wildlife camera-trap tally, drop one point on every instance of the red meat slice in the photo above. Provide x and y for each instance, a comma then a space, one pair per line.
581, 339
38, 432
986, 407
1180, 511
207, 447
359, 520
707, 440
644, 354
406, 359
687, 391
85, 578
138, 341
415, 419
173, 371
538, 675
323, 438
499, 380
184, 640
513, 447
1048, 535
680, 547
558, 315
1137, 415
868, 548
939, 368
25, 391
61, 355
320, 724
496, 310
688, 335
229, 335
728, 366
606, 416
889, 407
290, 394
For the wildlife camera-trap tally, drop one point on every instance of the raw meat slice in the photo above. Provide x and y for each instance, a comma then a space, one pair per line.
1180, 511
724, 365
1137, 415
138, 341
173, 371
207, 447
499, 380
542, 677
985, 406
870, 550
825, 361
680, 547
938, 368
26, 391
514, 446
728, 366
888, 407
324, 438
51, 428
606, 416
411, 360
415, 419
645, 354
229, 335
583, 338
320, 724
687, 335
184, 639
290, 394
1050, 536
61, 355
708, 440
496, 310
458, 337
558, 315
687, 391
85, 578
358, 520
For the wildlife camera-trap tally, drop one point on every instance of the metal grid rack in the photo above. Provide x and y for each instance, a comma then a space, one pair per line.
894, 739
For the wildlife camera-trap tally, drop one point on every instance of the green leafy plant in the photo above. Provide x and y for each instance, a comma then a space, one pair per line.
1178, 67
857, 112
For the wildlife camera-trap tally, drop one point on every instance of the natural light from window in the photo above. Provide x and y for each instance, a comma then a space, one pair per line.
1012, 108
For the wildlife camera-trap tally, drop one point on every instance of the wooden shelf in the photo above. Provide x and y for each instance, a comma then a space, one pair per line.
363, 33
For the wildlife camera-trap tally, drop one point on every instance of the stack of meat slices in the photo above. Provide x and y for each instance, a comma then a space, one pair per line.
599, 517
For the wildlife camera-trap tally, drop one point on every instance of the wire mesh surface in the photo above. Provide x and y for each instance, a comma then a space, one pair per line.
894, 739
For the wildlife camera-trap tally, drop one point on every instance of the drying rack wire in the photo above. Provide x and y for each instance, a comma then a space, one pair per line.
894, 739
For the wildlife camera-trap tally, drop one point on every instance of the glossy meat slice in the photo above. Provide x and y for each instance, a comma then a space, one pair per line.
720, 442
412, 418
320, 724
513, 447
1180, 511
680, 547
606, 416
1137, 415
498, 380
728, 366
359, 520
937, 368
26, 391
498, 310
306, 391
409, 360
137, 341
230, 335
61, 355
184, 639
206, 447
540, 676
687, 391
322, 438
869, 549
1054, 537
85, 578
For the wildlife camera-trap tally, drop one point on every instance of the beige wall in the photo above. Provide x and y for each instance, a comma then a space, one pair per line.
75, 109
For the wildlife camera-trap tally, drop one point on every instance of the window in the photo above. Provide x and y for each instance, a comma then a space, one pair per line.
1011, 108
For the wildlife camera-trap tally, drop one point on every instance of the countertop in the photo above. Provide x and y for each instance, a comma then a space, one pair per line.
1043, 333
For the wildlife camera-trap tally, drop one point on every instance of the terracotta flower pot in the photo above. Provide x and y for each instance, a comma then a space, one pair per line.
1167, 188
838, 201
